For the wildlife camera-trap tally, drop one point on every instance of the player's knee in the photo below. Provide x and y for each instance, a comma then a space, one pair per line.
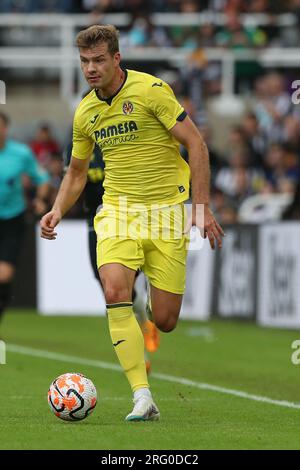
114, 294
166, 325
115, 291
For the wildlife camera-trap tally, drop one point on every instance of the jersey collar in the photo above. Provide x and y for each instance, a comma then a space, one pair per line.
109, 100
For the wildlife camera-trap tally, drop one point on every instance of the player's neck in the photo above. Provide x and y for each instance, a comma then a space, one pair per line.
2, 143
114, 86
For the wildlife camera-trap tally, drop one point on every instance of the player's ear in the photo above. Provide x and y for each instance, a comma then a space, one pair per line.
117, 58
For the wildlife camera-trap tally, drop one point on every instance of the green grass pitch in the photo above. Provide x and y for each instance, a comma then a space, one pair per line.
231, 355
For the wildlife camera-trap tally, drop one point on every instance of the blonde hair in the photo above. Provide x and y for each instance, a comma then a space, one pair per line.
96, 34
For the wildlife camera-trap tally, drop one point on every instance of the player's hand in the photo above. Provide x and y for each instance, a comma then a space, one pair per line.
48, 224
211, 228
203, 218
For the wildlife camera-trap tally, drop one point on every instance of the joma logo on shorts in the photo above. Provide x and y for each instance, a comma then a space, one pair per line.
111, 131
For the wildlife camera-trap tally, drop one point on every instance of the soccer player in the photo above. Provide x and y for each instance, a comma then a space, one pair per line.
138, 124
93, 195
16, 160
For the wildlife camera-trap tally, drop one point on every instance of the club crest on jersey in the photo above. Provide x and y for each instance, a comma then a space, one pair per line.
127, 107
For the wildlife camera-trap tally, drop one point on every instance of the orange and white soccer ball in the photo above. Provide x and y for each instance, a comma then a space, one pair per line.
72, 397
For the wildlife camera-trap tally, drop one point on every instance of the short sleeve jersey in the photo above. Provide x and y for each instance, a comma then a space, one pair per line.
142, 158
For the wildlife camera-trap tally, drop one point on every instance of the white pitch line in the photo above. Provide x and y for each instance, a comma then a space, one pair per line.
167, 378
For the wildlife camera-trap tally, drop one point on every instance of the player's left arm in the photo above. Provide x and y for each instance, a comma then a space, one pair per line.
188, 135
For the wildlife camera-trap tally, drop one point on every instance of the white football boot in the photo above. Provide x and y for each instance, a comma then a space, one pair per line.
144, 410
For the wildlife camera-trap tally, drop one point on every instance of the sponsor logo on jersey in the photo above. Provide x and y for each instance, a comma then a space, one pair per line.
157, 84
116, 130
127, 107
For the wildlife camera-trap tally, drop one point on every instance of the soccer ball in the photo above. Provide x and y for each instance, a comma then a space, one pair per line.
72, 397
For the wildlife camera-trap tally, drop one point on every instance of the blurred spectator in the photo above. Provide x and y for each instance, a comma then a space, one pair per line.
235, 6
217, 5
192, 84
44, 145
291, 131
225, 213
239, 181
218, 200
228, 215
235, 36
236, 141
143, 33
259, 6
139, 33
255, 141
190, 6
273, 104
207, 34
282, 168
55, 169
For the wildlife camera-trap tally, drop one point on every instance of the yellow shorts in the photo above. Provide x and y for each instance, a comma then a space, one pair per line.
153, 242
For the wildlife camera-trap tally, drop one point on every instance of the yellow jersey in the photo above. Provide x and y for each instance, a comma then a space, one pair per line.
142, 158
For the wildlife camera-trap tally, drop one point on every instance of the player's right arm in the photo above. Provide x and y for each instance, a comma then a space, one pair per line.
71, 187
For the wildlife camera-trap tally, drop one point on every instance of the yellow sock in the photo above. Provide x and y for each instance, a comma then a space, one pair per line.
128, 342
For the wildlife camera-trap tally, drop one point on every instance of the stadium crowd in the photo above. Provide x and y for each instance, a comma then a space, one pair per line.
143, 32
261, 155
112, 6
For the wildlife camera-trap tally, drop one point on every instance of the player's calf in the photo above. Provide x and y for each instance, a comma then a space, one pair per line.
165, 308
